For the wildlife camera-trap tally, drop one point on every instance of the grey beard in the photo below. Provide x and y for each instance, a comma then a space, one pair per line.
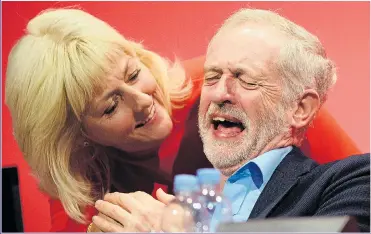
228, 154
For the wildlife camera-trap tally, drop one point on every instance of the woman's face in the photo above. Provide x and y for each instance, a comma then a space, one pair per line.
126, 115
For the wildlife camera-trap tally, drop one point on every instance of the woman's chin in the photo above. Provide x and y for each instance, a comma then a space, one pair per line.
151, 135
161, 125
150, 139
143, 146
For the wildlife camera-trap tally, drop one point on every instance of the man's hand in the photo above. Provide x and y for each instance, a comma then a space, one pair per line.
131, 212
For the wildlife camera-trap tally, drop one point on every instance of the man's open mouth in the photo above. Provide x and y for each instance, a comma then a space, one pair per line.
227, 126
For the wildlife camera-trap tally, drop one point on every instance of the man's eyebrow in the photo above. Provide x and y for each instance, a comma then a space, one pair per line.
238, 70
251, 73
212, 69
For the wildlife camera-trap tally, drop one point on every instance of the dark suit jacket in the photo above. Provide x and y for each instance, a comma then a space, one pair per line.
299, 186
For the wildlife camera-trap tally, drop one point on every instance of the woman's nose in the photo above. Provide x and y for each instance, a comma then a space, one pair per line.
140, 102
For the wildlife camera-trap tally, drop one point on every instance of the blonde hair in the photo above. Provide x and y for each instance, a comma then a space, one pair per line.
302, 62
53, 71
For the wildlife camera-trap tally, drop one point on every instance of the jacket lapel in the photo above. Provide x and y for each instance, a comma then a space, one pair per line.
283, 179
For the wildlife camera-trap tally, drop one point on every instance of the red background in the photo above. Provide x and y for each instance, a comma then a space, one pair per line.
183, 29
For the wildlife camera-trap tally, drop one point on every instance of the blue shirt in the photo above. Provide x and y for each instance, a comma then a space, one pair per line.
244, 187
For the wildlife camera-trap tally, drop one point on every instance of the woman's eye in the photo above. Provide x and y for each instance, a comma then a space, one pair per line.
133, 76
112, 108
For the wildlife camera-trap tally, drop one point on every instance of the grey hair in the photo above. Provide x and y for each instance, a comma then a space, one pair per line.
302, 62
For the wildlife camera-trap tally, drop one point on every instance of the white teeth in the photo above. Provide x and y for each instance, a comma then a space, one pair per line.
150, 116
218, 119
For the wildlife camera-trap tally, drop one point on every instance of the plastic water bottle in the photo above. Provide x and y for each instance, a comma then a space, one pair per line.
181, 213
215, 209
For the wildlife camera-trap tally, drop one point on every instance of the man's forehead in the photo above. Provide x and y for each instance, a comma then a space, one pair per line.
253, 69
247, 34
244, 45
236, 62
258, 30
229, 59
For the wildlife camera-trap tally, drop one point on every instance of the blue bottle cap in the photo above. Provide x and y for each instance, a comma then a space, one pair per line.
208, 176
184, 182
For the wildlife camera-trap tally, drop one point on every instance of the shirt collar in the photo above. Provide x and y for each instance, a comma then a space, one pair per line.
261, 168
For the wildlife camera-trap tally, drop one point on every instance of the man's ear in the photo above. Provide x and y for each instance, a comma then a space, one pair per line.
306, 108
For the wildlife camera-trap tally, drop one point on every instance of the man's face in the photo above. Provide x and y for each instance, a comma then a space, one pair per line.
241, 112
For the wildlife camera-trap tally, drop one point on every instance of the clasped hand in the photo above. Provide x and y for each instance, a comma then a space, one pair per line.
130, 212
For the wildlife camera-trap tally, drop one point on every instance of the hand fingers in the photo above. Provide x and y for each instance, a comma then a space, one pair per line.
140, 201
164, 197
145, 198
142, 205
125, 201
153, 209
103, 216
138, 204
106, 226
175, 220
115, 212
